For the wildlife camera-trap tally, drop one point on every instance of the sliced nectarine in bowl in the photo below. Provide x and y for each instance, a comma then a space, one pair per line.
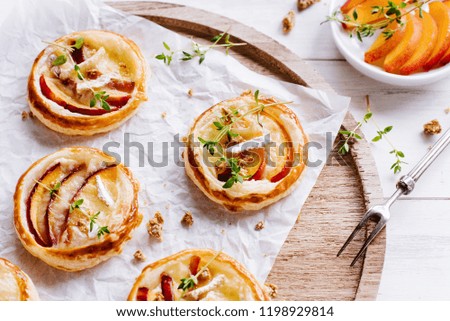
441, 15
424, 48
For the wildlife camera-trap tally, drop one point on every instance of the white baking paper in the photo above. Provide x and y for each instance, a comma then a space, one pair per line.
165, 189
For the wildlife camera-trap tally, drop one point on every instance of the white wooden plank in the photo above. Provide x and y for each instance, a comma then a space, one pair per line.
407, 110
418, 252
266, 16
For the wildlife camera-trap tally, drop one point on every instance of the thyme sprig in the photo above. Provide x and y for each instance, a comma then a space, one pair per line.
99, 97
101, 230
188, 283
352, 134
198, 50
225, 128
390, 13
381, 133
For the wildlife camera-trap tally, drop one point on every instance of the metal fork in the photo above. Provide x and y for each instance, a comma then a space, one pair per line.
406, 184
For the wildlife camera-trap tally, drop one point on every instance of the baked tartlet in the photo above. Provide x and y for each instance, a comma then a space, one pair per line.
87, 82
253, 178
15, 285
197, 275
76, 208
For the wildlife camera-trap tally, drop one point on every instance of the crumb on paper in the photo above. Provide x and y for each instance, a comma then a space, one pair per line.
259, 226
447, 111
189, 92
24, 115
303, 4
159, 297
272, 290
163, 115
139, 256
187, 219
167, 206
222, 232
155, 226
288, 21
432, 127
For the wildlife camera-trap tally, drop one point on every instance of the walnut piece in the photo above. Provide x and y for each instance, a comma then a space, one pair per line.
187, 219
139, 256
205, 275
259, 226
24, 115
155, 226
272, 290
288, 21
303, 4
432, 128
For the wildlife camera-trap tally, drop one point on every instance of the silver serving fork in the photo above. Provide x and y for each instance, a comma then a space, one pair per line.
406, 184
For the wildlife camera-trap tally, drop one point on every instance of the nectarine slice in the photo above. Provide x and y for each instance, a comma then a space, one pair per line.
409, 43
58, 208
441, 15
38, 204
425, 47
350, 4
446, 57
364, 11
382, 46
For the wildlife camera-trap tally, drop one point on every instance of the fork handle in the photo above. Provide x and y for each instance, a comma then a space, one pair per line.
408, 181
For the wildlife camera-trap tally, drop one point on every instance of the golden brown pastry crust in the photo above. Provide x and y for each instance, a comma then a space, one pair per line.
15, 284
74, 247
243, 196
247, 281
60, 119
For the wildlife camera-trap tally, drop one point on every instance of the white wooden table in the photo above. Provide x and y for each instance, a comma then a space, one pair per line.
417, 264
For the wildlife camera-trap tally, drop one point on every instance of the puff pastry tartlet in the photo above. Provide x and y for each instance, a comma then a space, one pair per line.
75, 208
253, 178
87, 82
218, 278
15, 285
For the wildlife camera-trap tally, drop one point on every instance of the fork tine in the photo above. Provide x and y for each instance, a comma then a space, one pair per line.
356, 230
372, 235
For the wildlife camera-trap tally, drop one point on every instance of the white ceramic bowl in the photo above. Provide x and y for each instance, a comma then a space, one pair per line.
353, 51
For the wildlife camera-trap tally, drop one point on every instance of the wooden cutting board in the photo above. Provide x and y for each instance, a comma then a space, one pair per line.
307, 267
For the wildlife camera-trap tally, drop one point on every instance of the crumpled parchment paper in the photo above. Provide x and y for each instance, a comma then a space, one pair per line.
165, 189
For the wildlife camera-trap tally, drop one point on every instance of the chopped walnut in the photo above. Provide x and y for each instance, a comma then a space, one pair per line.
139, 256
24, 115
432, 128
272, 290
30, 114
259, 226
155, 226
303, 4
205, 275
288, 21
190, 92
246, 92
159, 297
187, 219
163, 115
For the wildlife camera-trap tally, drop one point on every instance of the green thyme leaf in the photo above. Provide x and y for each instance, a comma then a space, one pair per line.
78, 43
60, 60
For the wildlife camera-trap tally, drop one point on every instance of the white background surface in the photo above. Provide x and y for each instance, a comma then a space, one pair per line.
417, 264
